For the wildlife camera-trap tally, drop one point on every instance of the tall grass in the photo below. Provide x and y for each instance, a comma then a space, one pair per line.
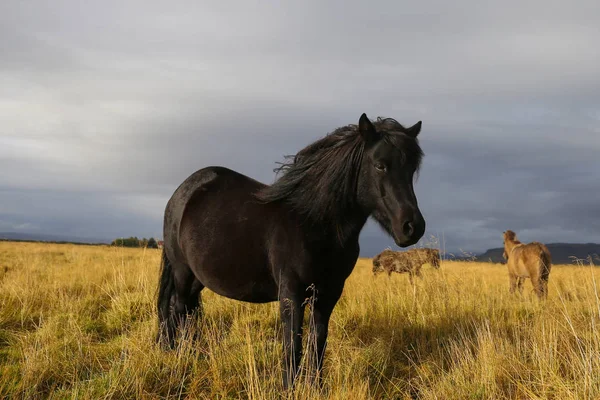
79, 322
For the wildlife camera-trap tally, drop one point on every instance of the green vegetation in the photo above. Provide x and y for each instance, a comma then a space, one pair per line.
133, 241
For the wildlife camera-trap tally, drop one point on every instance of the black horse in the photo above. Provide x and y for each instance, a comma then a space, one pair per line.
257, 243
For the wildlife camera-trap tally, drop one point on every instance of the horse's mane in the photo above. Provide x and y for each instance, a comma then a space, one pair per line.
511, 236
320, 181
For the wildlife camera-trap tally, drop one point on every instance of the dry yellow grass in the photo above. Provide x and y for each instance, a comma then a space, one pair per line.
79, 322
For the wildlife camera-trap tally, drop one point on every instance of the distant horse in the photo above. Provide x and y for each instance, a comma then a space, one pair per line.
532, 260
409, 262
257, 243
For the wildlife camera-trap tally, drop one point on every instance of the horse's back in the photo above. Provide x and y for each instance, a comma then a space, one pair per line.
214, 225
211, 178
400, 262
527, 259
192, 188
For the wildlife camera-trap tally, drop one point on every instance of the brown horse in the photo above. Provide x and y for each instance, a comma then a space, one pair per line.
410, 261
532, 260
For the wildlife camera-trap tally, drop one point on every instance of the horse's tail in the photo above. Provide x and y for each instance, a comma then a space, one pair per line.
166, 286
545, 264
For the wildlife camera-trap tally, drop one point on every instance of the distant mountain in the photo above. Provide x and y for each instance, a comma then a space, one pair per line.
562, 253
42, 237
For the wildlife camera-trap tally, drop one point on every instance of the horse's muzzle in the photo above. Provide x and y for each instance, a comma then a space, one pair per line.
409, 231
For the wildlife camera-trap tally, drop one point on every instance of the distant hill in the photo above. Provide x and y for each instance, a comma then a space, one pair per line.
41, 237
562, 253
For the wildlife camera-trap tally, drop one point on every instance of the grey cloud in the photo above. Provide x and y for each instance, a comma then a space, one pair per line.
106, 108
84, 214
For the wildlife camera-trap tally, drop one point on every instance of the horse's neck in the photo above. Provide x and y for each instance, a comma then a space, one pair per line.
343, 233
351, 228
510, 245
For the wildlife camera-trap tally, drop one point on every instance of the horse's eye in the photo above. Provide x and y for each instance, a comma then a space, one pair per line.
380, 167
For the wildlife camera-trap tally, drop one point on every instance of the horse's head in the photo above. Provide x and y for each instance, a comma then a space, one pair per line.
509, 235
377, 267
385, 185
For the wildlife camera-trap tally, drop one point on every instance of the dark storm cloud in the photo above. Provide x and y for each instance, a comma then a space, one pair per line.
105, 108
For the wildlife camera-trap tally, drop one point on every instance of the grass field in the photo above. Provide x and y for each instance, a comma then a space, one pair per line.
79, 322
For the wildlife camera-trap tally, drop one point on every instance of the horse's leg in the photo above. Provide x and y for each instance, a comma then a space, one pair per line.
189, 307
196, 300
291, 308
418, 272
410, 277
520, 282
513, 282
186, 305
323, 307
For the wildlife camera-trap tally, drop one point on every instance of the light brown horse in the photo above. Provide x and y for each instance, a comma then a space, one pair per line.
532, 260
410, 261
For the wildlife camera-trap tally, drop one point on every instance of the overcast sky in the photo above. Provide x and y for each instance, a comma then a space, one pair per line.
106, 108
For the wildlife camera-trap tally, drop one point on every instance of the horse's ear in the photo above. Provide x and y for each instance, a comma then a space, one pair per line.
414, 130
366, 129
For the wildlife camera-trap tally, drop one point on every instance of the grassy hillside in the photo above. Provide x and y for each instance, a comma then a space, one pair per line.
79, 322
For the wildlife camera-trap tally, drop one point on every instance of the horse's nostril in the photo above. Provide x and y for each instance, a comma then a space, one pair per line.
408, 228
